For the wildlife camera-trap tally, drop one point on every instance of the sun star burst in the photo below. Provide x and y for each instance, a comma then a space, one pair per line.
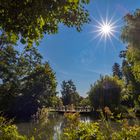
105, 29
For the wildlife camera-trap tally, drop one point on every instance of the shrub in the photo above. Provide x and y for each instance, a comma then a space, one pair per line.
101, 130
9, 131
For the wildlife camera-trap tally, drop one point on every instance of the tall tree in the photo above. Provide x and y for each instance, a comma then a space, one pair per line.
29, 20
26, 82
130, 35
116, 70
69, 93
131, 67
38, 90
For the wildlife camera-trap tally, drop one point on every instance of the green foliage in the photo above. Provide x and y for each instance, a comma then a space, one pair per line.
131, 62
127, 132
102, 130
56, 101
89, 131
123, 131
85, 102
75, 130
105, 92
26, 82
29, 20
9, 131
71, 123
131, 30
41, 85
116, 70
133, 57
69, 93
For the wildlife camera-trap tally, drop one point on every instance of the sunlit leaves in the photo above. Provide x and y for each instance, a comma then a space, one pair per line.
30, 20
133, 56
131, 30
131, 63
101, 130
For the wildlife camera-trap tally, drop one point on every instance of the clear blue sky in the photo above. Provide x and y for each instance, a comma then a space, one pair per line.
78, 56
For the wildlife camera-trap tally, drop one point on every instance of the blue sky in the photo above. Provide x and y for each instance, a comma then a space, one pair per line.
80, 57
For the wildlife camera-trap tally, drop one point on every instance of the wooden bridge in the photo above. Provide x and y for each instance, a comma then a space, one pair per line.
81, 110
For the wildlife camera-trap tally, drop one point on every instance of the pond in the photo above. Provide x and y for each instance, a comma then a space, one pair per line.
52, 129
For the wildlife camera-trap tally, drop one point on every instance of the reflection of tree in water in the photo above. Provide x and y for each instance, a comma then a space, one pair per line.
43, 130
51, 129
56, 122
55, 125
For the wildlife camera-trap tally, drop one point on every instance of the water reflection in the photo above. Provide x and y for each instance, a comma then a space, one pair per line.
51, 130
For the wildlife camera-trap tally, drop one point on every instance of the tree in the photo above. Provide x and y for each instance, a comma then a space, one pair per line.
56, 101
9, 86
131, 30
85, 102
38, 90
26, 82
116, 70
29, 20
130, 35
69, 93
131, 88
105, 92
131, 63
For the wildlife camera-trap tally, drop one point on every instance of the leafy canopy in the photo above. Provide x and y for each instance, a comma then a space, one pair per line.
28, 20
131, 30
26, 82
69, 93
131, 56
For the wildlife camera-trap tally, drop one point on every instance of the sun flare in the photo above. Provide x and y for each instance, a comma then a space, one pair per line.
105, 29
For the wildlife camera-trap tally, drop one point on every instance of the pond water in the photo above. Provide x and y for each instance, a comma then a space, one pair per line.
51, 130
55, 124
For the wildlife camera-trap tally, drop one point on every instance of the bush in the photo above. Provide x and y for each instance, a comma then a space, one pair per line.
9, 131
101, 130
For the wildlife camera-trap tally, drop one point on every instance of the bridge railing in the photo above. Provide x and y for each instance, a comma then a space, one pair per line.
75, 109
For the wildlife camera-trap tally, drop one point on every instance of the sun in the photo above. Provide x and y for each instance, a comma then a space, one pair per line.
105, 29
